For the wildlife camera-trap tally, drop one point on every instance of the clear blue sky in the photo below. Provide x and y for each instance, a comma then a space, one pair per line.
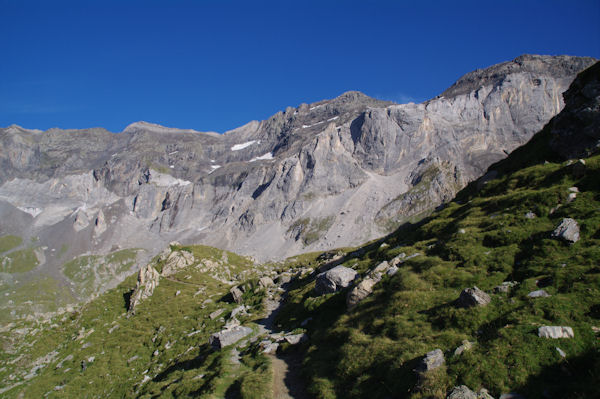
215, 65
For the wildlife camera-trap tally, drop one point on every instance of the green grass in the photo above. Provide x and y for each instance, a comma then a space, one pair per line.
372, 351
9, 242
90, 273
20, 261
173, 321
311, 230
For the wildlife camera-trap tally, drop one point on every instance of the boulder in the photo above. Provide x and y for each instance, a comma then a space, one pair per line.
431, 361
392, 270
334, 280
360, 292
555, 332
473, 297
284, 278
265, 282
268, 346
538, 294
236, 293
229, 336
568, 230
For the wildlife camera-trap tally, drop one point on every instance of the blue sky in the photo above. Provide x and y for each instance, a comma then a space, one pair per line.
215, 65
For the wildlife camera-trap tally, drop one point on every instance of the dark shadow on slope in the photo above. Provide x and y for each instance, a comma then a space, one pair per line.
185, 365
573, 378
127, 299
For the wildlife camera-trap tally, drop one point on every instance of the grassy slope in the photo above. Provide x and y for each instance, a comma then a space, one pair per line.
174, 322
372, 351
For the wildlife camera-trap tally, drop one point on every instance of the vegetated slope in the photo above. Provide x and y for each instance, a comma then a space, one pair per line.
102, 350
498, 230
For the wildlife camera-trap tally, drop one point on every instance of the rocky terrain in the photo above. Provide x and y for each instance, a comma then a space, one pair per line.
496, 294
319, 176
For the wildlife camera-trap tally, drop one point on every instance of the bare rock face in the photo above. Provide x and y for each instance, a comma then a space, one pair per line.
473, 297
576, 132
148, 279
334, 280
568, 230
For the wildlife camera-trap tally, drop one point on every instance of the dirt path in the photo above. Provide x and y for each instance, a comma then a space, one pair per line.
287, 381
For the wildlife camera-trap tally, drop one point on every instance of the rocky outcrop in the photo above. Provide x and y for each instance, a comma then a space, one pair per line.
567, 230
148, 279
334, 280
176, 261
360, 292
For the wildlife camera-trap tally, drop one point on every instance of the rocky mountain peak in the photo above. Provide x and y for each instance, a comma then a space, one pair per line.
559, 67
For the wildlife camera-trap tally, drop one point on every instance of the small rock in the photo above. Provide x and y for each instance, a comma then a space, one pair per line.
473, 297
431, 361
561, 352
461, 231
462, 392
155, 353
215, 314
392, 270
571, 197
555, 332
397, 259
334, 280
567, 230
466, 345
177, 293
530, 215
236, 293
505, 286
538, 294
384, 245
573, 189
294, 339
484, 394
268, 347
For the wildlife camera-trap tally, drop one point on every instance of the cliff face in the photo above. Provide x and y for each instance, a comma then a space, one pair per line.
325, 175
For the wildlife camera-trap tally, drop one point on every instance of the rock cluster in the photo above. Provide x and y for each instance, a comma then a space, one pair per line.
147, 281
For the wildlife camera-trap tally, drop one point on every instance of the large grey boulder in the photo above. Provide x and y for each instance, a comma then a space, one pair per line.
431, 361
473, 297
334, 280
555, 332
228, 336
568, 230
